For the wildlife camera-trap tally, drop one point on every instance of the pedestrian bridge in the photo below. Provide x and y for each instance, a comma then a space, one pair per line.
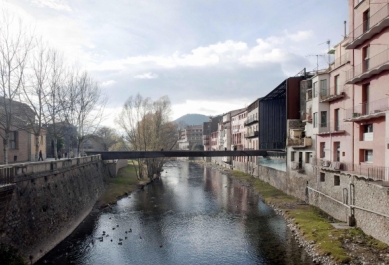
109, 155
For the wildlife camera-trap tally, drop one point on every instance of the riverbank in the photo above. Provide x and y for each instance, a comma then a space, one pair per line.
122, 185
314, 229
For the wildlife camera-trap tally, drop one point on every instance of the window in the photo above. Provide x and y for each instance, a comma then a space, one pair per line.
336, 180
337, 119
368, 156
308, 157
337, 151
314, 119
322, 177
323, 120
366, 20
292, 155
322, 150
323, 87
367, 132
366, 58
337, 85
13, 140
315, 94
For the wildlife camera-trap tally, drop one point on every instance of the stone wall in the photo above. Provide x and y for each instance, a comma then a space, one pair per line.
47, 202
339, 194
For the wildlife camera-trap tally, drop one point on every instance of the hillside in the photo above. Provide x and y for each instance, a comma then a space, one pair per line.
193, 119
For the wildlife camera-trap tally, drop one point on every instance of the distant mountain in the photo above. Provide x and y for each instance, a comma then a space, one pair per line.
193, 119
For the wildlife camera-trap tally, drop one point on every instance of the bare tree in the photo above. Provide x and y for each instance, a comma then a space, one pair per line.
147, 128
15, 46
84, 106
107, 137
53, 97
34, 89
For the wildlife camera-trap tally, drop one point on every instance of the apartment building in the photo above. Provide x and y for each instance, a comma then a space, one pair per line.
238, 132
252, 130
190, 136
367, 79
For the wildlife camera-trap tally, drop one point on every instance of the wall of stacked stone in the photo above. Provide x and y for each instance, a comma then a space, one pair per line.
46, 206
369, 200
374, 220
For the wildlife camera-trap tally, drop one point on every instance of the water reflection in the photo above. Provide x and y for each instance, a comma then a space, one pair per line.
192, 215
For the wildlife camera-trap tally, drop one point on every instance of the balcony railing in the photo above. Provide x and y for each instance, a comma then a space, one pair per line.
206, 137
345, 58
333, 127
375, 23
367, 110
368, 68
299, 142
366, 170
250, 121
307, 117
332, 93
251, 134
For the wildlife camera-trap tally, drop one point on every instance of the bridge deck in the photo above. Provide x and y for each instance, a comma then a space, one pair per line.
108, 155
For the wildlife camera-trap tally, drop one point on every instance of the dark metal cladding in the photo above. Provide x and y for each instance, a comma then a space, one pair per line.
108, 155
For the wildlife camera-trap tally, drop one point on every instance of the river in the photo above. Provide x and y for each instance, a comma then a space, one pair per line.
191, 215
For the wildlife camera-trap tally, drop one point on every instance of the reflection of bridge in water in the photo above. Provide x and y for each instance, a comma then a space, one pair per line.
108, 155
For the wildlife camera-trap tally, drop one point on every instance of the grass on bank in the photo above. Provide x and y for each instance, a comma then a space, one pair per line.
123, 184
313, 223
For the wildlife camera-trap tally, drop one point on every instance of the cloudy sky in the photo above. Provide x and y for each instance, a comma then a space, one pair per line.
208, 56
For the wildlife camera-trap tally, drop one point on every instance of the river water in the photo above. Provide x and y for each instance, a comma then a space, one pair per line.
192, 215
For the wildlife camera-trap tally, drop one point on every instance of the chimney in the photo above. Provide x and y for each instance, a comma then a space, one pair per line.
345, 34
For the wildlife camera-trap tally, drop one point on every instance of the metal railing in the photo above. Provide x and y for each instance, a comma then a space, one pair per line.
367, 108
250, 120
251, 134
368, 64
7, 175
365, 169
333, 126
328, 93
345, 58
373, 20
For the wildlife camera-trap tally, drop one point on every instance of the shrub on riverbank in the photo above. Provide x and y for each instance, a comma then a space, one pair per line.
314, 224
123, 184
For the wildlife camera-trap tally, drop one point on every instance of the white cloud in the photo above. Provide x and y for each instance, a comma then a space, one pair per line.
54, 4
148, 75
301, 35
108, 83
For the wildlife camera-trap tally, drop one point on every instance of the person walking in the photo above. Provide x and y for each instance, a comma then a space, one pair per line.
40, 156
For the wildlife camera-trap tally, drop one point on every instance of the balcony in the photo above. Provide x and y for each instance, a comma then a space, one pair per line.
250, 121
331, 94
372, 66
307, 116
368, 110
251, 134
375, 24
206, 137
299, 142
345, 58
333, 128
365, 170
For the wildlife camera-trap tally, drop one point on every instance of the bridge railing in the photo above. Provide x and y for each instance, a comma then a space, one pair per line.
9, 172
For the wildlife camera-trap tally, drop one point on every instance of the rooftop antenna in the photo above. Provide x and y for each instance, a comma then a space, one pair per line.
317, 60
328, 42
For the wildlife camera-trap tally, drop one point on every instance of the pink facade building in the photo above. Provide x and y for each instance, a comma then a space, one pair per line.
238, 133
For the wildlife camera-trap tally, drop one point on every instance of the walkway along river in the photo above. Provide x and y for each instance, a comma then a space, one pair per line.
192, 215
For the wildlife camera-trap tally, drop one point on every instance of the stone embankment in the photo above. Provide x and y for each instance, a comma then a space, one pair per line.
44, 202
